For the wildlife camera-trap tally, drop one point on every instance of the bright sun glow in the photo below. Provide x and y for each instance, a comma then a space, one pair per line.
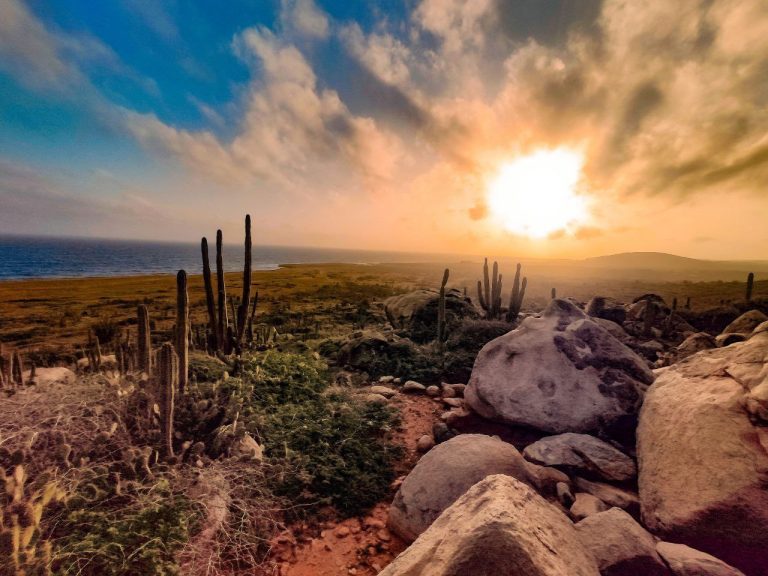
536, 195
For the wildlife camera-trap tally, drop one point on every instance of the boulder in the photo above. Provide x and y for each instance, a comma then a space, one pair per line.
583, 454
413, 387
500, 526
55, 375
585, 505
416, 312
615, 330
746, 323
726, 339
620, 545
685, 561
702, 462
446, 472
383, 390
695, 343
607, 308
560, 372
763, 327
378, 354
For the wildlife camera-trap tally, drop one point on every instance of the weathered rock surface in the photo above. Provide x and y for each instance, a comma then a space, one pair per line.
703, 465
582, 453
585, 505
446, 472
606, 308
746, 323
695, 343
561, 372
685, 561
611, 495
500, 526
416, 312
620, 545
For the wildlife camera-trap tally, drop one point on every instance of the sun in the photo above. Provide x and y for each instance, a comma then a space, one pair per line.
536, 195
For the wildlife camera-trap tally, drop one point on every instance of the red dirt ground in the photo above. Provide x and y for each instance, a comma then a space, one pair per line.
358, 546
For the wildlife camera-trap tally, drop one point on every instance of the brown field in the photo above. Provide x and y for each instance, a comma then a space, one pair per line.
54, 316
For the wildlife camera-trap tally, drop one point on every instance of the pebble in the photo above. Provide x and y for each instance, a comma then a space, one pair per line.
425, 443
342, 532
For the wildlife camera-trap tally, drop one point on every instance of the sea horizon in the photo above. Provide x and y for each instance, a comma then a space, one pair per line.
24, 257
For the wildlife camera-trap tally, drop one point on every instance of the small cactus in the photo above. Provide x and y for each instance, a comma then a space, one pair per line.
750, 285
223, 320
489, 291
245, 301
442, 329
553, 294
168, 380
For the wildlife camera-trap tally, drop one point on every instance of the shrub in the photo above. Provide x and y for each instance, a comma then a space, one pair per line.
106, 330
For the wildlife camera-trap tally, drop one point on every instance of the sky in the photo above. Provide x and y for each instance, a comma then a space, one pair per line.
390, 124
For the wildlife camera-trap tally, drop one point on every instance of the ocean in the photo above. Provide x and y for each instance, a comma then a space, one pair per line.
47, 257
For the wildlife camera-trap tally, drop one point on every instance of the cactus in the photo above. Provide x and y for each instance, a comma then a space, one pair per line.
750, 285
245, 301
553, 294
211, 305
688, 303
167, 380
97, 353
182, 328
442, 329
144, 362
252, 317
516, 298
17, 368
21, 539
221, 288
489, 291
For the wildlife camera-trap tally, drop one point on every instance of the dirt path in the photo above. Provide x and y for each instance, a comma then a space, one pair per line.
359, 546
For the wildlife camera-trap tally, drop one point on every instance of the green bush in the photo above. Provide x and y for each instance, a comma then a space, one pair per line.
107, 534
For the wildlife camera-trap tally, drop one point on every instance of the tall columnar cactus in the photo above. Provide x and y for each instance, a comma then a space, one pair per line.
17, 368
516, 298
167, 380
211, 305
489, 291
182, 328
442, 328
144, 362
688, 303
97, 352
222, 296
252, 317
245, 301
750, 285
553, 294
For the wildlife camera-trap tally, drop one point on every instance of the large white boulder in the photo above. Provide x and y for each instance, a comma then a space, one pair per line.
703, 464
446, 472
561, 372
685, 561
500, 526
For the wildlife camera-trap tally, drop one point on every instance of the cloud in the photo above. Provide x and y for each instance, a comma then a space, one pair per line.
304, 18
292, 133
155, 16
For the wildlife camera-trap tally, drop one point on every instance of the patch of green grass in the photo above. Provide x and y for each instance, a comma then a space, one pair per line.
139, 531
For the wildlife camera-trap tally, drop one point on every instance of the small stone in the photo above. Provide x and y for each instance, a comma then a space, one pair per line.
564, 494
383, 390
414, 387
342, 532
433, 391
384, 535
585, 505
387, 379
397, 381
373, 523
453, 402
425, 443
448, 391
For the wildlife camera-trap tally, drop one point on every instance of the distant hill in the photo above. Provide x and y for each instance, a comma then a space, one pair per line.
661, 261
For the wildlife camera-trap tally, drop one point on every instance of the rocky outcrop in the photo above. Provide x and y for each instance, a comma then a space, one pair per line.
702, 462
582, 453
606, 308
500, 526
746, 323
416, 312
445, 473
611, 495
620, 545
560, 372
695, 343
685, 561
